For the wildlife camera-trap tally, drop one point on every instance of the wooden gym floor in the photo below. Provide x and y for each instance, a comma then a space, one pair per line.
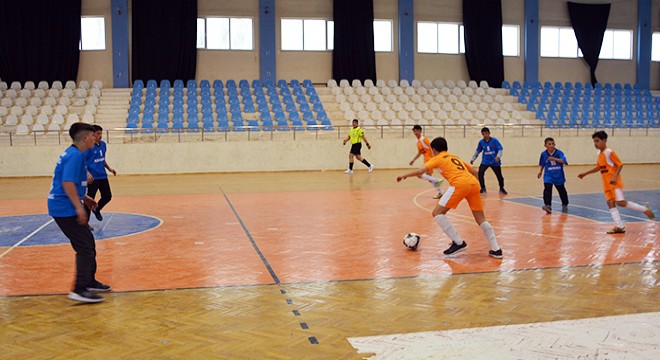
291, 265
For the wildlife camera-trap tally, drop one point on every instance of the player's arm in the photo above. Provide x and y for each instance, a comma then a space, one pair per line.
90, 178
476, 153
419, 153
107, 166
415, 173
72, 193
616, 174
559, 160
594, 170
541, 167
347, 138
366, 142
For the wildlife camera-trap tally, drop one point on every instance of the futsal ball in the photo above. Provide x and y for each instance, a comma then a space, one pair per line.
411, 241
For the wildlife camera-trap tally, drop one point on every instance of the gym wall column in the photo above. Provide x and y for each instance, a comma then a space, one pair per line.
406, 41
644, 43
119, 11
531, 44
267, 54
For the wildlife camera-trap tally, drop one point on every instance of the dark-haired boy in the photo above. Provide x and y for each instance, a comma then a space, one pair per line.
610, 166
97, 177
462, 185
552, 160
491, 158
424, 149
65, 205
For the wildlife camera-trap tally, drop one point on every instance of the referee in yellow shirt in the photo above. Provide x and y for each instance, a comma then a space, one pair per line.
355, 135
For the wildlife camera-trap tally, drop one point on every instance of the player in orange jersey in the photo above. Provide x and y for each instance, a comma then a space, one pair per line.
424, 148
610, 166
463, 184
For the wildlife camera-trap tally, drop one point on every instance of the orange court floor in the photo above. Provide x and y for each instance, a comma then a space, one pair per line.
290, 265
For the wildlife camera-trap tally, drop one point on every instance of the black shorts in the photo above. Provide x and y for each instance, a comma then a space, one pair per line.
355, 148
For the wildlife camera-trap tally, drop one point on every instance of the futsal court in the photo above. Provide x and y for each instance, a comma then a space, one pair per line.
311, 265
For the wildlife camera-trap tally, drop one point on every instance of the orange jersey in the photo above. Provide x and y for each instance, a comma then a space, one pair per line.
452, 168
424, 147
608, 162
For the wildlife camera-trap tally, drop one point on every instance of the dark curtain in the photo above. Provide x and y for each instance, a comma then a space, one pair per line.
482, 22
589, 22
164, 39
353, 56
39, 40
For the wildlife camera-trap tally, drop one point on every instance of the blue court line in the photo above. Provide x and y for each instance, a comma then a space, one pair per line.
254, 244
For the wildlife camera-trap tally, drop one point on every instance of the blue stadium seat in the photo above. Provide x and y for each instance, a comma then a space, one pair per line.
165, 84
152, 84
208, 126
131, 128
138, 84
307, 83
230, 84
163, 127
193, 126
223, 126
217, 84
147, 128
204, 84
177, 127
506, 85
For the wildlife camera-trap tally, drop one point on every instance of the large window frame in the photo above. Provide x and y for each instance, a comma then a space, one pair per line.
222, 33
429, 41
300, 42
655, 46
560, 42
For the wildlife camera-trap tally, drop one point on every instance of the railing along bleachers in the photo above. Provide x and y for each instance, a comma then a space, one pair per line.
29, 109
223, 107
583, 105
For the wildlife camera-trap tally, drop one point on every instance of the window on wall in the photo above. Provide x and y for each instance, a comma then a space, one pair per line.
449, 38
222, 33
92, 33
561, 42
655, 46
318, 35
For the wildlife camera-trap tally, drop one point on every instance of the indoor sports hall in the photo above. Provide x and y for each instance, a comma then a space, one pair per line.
234, 231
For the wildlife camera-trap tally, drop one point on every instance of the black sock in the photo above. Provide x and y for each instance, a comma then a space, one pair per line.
350, 166
364, 161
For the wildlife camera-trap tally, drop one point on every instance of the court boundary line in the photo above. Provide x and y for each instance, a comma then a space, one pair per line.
427, 276
26, 238
643, 220
252, 241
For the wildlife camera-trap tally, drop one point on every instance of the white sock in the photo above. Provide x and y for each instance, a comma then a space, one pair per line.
616, 217
634, 206
489, 233
433, 180
448, 228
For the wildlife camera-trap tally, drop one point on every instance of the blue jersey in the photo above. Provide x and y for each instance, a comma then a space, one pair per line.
491, 149
553, 171
95, 160
70, 168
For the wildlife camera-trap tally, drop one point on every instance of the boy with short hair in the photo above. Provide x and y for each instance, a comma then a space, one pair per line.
97, 177
65, 205
552, 161
609, 165
424, 148
462, 185
491, 158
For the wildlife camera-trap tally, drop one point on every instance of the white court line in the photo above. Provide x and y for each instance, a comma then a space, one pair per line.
635, 336
26, 238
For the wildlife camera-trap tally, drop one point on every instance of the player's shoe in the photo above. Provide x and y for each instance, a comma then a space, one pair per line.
99, 287
649, 213
371, 167
547, 209
348, 172
482, 191
438, 195
454, 248
90, 227
85, 296
503, 192
97, 214
617, 230
495, 254
564, 208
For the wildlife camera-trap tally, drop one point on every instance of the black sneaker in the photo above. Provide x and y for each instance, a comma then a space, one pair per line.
564, 208
496, 254
85, 296
98, 287
547, 209
482, 191
97, 214
90, 227
454, 248
503, 192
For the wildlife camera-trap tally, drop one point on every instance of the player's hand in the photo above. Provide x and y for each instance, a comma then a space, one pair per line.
613, 181
114, 172
581, 176
90, 203
538, 176
399, 178
90, 178
369, 146
471, 162
344, 142
497, 159
411, 162
82, 215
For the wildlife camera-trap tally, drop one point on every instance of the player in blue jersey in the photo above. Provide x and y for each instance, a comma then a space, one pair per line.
65, 205
97, 177
553, 161
491, 158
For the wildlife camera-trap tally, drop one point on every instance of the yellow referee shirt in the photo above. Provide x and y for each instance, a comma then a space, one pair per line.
356, 134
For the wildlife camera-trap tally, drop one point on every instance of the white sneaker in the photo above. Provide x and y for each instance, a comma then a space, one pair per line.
348, 172
371, 168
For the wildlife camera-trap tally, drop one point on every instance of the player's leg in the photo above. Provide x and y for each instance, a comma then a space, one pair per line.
82, 241
563, 195
434, 181
610, 196
365, 162
92, 188
449, 201
620, 201
106, 196
482, 181
547, 198
500, 179
477, 208
350, 163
